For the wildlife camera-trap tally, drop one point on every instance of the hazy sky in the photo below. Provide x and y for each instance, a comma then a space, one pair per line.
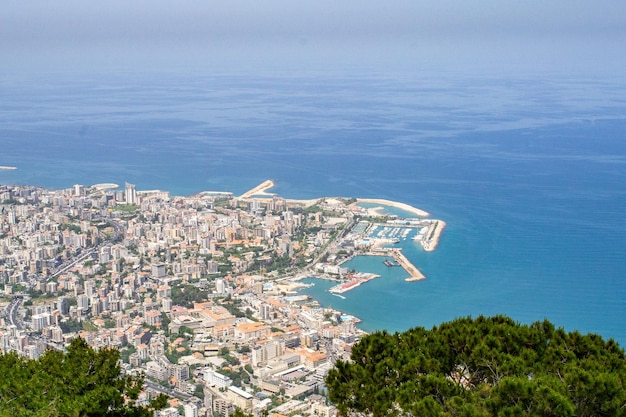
459, 34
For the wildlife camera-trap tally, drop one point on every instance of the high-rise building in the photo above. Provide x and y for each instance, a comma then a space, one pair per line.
63, 305
220, 288
130, 194
79, 190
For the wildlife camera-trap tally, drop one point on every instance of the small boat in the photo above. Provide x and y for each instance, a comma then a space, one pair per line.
387, 262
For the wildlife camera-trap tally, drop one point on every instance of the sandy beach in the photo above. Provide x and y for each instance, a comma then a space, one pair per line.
401, 206
306, 203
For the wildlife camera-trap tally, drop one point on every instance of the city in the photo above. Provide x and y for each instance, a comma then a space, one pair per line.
198, 293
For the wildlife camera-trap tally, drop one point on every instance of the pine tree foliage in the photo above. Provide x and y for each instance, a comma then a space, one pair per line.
80, 382
482, 367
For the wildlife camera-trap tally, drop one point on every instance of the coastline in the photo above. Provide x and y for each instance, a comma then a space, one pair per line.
306, 203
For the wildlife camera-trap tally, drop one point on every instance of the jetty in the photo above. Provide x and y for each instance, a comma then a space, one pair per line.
432, 235
414, 273
261, 188
354, 280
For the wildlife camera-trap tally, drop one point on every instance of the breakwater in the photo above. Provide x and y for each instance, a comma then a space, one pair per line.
414, 273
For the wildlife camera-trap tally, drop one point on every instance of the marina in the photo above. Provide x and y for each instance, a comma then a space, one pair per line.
427, 232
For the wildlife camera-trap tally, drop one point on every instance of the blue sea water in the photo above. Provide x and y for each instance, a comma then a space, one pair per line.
529, 173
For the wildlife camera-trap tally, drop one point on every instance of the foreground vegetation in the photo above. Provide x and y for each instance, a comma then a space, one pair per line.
80, 382
482, 367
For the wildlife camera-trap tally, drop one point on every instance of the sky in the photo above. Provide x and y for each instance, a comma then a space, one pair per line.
480, 35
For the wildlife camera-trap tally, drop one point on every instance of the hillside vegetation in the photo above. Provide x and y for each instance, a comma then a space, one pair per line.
80, 382
482, 367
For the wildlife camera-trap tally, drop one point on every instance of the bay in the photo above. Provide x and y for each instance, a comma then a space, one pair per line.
528, 173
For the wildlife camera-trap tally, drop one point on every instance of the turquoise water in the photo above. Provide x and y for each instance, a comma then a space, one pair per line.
529, 174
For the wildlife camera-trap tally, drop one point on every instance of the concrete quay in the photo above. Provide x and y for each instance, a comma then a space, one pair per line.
414, 273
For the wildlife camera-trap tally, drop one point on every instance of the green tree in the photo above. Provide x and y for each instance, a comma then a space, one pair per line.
483, 367
186, 295
80, 382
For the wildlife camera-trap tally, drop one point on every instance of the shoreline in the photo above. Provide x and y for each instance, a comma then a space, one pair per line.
261, 190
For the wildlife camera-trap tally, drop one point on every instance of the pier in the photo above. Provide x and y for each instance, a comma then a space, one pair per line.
432, 236
414, 273
265, 185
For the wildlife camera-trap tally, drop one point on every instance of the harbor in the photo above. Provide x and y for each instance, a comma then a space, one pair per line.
428, 232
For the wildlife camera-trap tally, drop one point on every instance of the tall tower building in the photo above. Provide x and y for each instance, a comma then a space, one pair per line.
79, 190
191, 410
130, 194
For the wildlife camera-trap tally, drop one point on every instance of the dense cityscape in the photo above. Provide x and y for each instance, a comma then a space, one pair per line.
199, 293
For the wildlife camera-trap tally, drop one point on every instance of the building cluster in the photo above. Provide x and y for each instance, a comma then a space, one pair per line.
195, 292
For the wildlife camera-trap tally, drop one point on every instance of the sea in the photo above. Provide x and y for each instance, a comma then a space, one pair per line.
528, 172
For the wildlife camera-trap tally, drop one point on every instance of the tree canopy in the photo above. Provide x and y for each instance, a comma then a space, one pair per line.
482, 367
79, 382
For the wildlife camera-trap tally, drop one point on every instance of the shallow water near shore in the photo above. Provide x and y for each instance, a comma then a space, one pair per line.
530, 178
